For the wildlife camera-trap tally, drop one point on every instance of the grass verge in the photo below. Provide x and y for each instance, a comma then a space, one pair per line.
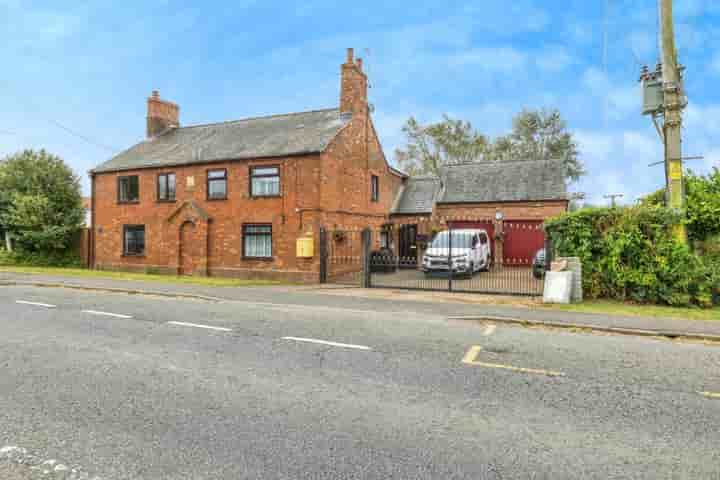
609, 307
144, 277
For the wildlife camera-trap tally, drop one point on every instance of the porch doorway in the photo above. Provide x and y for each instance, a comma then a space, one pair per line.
407, 245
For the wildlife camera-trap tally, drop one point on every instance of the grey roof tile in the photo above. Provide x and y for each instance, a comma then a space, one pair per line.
273, 136
417, 196
504, 181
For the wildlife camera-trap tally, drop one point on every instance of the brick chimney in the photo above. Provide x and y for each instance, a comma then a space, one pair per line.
161, 115
353, 85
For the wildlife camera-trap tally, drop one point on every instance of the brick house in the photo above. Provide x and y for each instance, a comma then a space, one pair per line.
509, 199
234, 198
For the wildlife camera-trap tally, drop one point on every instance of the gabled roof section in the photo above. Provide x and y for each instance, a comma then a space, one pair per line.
504, 181
261, 137
417, 196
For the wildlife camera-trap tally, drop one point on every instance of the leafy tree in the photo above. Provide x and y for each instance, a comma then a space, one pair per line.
432, 146
540, 135
702, 195
40, 201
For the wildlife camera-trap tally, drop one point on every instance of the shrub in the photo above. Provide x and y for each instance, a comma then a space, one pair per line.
632, 254
66, 259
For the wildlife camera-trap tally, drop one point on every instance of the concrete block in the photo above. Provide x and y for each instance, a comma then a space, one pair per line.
558, 287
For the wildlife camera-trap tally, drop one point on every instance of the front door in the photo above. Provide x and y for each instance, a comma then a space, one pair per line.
188, 247
407, 247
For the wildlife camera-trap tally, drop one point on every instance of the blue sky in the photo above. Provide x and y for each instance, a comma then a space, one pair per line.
90, 67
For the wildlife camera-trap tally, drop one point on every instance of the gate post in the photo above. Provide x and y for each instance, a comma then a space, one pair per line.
450, 265
323, 255
366, 253
549, 253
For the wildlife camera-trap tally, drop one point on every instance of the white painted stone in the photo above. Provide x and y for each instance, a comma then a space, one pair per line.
558, 286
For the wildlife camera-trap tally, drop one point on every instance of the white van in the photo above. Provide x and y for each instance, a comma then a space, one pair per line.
470, 252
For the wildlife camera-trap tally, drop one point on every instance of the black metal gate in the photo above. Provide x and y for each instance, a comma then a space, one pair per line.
356, 258
342, 256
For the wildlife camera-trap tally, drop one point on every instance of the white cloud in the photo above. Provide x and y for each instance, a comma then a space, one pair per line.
642, 43
508, 18
595, 145
500, 59
712, 159
619, 100
715, 64
553, 59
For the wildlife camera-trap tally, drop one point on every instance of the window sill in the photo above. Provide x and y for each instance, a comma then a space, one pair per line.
165, 201
133, 255
216, 199
257, 197
261, 259
129, 202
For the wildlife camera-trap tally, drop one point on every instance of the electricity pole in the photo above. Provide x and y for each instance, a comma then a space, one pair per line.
674, 103
612, 198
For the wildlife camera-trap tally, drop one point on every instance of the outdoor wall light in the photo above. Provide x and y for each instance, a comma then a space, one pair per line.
498, 215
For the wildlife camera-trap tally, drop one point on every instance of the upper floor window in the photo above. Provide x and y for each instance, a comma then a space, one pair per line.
217, 184
133, 239
264, 181
128, 189
375, 188
166, 187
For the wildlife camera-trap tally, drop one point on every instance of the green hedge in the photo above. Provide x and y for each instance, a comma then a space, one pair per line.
631, 254
69, 259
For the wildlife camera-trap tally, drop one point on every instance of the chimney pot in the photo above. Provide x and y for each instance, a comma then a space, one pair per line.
156, 94
350, 55
359, 63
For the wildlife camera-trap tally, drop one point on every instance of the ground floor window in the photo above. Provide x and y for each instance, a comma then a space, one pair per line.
257, 241
134, 239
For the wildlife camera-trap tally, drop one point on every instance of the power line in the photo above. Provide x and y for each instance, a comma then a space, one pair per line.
63, 127
83, 137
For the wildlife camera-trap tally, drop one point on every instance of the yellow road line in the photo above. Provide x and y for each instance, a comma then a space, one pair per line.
471, 354
710, 395
474, 351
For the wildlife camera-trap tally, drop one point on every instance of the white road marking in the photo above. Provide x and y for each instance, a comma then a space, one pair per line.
107, 314
37, 304
325, 342
207, 327
489, 330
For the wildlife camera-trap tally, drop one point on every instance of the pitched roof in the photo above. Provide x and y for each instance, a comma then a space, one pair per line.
504, 181
417, 196
273, 136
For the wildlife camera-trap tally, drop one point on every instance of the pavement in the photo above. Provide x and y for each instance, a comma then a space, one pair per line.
462, 307
328, 386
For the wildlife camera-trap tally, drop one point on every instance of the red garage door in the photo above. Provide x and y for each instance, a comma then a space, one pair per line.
523, 238
482, 225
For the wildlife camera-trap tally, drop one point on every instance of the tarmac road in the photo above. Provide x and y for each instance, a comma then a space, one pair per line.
105, 384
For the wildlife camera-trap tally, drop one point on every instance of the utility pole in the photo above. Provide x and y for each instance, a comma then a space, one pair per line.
673, 105
612, 198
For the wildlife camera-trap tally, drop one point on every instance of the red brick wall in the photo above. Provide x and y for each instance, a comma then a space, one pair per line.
510, 210
223, 234
332, 189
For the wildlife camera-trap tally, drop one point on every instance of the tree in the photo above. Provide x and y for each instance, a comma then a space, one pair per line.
702, 204
540, 135
40, 201
430, 147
